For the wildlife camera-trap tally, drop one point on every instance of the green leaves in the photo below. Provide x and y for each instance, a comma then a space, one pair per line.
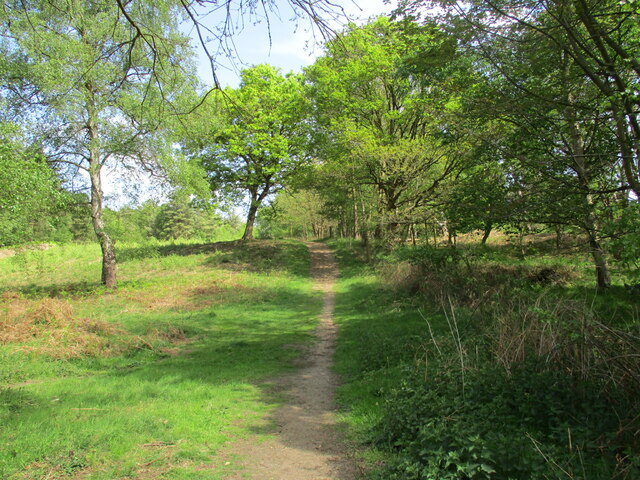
81, 56
386, 101
496, 426
28, 188
252, 140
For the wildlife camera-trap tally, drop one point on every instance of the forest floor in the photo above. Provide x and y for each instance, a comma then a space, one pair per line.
307, 445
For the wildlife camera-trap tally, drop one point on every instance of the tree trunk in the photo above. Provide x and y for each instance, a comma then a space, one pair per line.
558, 230
251, 220
107, 245
590, 225
521, 247
603, 278
356, 220
628, 164
488, 226
449, 234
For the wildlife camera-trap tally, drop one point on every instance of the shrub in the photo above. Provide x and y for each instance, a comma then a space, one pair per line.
533, 424
528, 383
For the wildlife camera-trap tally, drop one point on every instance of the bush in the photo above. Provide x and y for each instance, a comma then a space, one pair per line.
528, 383
519, 373
428, 257
532, 424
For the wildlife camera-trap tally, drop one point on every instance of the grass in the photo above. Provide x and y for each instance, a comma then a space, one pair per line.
476, 364
380, 332
154, 379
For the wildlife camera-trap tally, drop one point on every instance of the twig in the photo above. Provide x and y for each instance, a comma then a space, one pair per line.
159, 444
536, 444
455, 333
149, 463
433, 338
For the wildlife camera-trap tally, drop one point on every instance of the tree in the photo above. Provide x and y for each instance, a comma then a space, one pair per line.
296, 214
598, 37
29, 189
569, 156
562, 140
257, 143
384, 94
479, 200
95, 93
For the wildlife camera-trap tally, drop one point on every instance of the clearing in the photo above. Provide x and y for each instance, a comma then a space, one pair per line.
167, 375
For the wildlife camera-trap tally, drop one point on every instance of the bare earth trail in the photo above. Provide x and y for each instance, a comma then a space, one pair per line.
307, 445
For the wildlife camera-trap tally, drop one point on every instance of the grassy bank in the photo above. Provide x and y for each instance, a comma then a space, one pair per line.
476, 364
151, 380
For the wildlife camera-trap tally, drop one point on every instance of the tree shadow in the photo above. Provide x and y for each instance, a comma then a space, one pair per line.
155, 251
260, 256
233, 347
62, 290
255, 256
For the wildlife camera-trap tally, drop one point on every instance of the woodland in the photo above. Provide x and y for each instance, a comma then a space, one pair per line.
475, 165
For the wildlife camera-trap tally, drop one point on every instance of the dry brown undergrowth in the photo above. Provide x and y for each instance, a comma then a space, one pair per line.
186, 297
50, 327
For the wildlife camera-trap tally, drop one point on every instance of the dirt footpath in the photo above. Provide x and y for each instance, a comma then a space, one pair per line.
306, 446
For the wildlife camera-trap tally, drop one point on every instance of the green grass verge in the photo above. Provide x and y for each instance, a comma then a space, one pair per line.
152, 380
380, 333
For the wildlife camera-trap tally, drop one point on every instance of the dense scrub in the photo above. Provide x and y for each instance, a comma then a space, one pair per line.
494, 367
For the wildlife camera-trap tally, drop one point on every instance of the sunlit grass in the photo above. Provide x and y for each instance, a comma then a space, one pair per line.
199, 331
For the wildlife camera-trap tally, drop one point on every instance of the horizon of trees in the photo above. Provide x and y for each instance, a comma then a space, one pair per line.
511, 116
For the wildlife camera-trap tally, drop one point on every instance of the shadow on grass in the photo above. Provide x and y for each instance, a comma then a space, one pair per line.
256, 256
375, 353
237, 348
63, 290
156, 251
253, 256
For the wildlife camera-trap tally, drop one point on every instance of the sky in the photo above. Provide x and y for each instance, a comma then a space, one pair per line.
292, 45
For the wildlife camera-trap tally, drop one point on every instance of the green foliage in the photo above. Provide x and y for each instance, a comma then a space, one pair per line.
489, 369
175, 220
487, 425
252, 139
427, 256
384, 132
29, 190
625, 243
105, 95
70, 221
299, 214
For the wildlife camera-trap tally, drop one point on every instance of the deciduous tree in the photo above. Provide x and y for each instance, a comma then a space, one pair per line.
258, 141
91, 91
383, 93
